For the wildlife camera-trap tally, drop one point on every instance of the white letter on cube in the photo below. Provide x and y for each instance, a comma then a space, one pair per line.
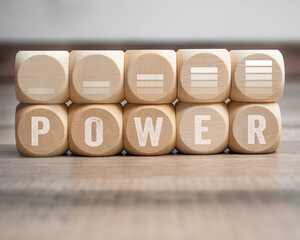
252, 130
88, 131
199, 130
35, 131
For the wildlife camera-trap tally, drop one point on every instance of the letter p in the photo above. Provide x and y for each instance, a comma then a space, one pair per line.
35, 131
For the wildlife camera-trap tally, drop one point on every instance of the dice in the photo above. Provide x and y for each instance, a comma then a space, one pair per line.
202, 128
204, 75
42, 77
149, 129
41, 130
257, 75
96, 124
150, 76
254, 127
95, 129
97, 76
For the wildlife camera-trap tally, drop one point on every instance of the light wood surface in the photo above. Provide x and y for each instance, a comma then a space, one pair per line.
254, 127
97, 76
150, 76
204, 75
202, 128
257, 75
95, 129
149, 129
41, 130
222, 196
42, 77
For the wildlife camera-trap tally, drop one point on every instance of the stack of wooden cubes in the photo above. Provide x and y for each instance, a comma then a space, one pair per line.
151, 81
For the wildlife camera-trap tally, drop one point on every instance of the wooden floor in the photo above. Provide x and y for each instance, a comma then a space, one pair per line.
224, 196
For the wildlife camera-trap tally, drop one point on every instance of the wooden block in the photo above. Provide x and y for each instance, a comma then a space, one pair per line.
149, 129
257, 75
42, 76
254, 127
150, 76
202, 128
41, 130
95, 129
204, 75
97, 76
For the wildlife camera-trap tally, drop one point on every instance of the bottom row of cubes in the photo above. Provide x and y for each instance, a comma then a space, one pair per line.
107, 129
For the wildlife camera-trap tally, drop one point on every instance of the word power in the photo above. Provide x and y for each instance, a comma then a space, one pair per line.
148, 102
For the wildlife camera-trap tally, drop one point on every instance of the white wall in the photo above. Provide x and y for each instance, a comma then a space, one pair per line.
149, 21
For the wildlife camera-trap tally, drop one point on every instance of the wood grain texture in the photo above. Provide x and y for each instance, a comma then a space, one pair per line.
149, 129
95, 129
202, 128
257, 75
97, 76
41, 130
254, 127
150, 76
221, 196
42, 77
204, 75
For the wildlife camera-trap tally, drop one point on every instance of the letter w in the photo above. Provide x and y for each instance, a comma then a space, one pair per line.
148, 129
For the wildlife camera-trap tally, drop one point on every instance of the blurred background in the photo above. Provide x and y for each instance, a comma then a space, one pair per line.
225, 196
169, 24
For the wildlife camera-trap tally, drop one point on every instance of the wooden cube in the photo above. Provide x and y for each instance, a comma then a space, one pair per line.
257, 75
149, 129
42, 76
97, 76
41, 130
254, 127
150, 76
204, 75
95, 129
202, 128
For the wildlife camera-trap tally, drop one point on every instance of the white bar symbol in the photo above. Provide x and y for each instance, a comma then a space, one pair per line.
40, 91
96, 84
258, 63
204, 84
204, 77
150, 77
258, 74
260, 84
96, 87
204, 70
150, 83
258, 69
96, 91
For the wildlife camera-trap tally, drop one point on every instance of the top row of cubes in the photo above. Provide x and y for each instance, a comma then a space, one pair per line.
204, 75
